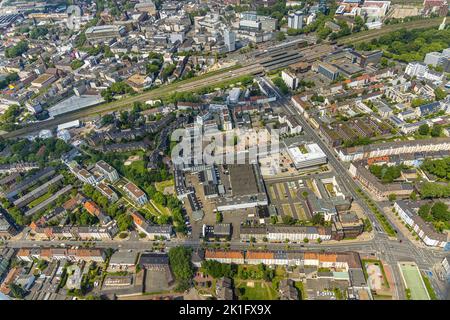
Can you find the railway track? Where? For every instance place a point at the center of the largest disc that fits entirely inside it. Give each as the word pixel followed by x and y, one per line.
pixel 372 34
pixel 252 68
pixel 127 102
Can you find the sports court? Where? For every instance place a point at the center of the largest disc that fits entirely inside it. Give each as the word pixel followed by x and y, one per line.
pixel 413 280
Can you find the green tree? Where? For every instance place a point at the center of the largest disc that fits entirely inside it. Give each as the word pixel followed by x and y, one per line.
pixel 436 131
pixel 180 262
pixel 318 219
pixel 439 94
pixel 124 222
pixel 17 50
pixel 280 36
pixel 288 220
pixel 424 129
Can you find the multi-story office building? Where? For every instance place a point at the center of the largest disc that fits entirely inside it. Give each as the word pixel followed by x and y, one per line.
pixel 230 40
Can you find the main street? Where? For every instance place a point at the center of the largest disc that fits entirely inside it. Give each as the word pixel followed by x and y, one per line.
pixel 390 250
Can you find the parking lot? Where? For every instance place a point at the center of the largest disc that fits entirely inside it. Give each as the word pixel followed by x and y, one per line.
pixel 287 197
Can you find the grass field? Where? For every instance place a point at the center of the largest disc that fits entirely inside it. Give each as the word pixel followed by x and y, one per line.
pixel 300 211
pixel 139 166
pixel 256 290
pixel 37 201
pixel 160 208
pixel 287 209
pixel 160 186
pixel 413 281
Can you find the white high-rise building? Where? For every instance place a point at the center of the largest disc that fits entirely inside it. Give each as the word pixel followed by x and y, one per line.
pixel 295 20
pixel 290 79
pixel 230 40
pixel 433 58
pixel 416 69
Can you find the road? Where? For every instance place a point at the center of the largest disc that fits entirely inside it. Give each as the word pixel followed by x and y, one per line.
pixel 390 250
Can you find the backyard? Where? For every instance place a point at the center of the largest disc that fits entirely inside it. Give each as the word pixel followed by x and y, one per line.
pixel 255 290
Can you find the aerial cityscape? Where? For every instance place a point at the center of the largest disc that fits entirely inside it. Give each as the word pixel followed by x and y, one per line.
pixel 224 150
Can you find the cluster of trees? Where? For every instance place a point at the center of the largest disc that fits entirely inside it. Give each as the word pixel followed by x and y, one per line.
pixel 41 151
pixel 154 65
pixel 434 190
pixel 10 78
pixel 439 94
pixel 281 85
pixel 218 270
pixel 361 141
pixel 425 130
pixel 129 119
pixel 438 214
pixel 180 263
pixel 117 88
pixel 95 50
pixel 11 114
pixel 276 11
pixel 439 167
pixel 167 71
pixel 118 213
pixel 171 202
pixel 183 97
pixel 386 173
pixel 17 50
pixel 345 29
pixel 262 272
pixel 82 218
pixel 75 64
pixel 38 32
pixel 317 98
pixel 409 45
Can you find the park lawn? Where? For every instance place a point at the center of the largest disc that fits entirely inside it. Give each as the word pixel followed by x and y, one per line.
pixel 260 291
pixel 37 201
pixel 148 207
pixel 139 166
pixel 160 208
pixel 160 186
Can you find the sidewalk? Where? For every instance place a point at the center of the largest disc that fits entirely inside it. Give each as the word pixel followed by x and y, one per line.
pixel 402 228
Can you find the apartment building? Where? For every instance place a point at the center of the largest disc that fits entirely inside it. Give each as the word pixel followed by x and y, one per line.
pixel 236 257
pixel 136 194
pixel 381 190
pixel 407 210
pixel 75 255
pixel 393 148
pixel 152 231
pixel 109 172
